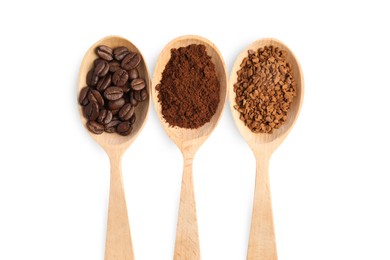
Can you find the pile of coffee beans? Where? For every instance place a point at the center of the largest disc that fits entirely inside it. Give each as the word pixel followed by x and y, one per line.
pixel 265 89
pixel 113 90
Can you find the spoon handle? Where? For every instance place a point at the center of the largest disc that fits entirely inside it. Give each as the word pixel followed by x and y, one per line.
pixel 118 239
pixel 262 245
pixel 187 239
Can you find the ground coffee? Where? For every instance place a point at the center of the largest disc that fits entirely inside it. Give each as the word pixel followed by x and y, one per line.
pixel 265 89
pixel 114 90
pixel 189 88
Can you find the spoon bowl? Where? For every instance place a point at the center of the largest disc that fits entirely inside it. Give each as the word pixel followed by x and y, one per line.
pixel 118 239
pixel 107 140
pixel 189 140
pixel 181 136
pixel 262 245
pixel 273 140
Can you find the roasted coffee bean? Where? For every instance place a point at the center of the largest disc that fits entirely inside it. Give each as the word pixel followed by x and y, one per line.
pixel 138 84
pixel 91 111
pixel 102 115
pixel 133 74
pixel 126 112
pixel 132 99
pixel 113 93
pixel 120 53
pixel 101 68
pixel 95 127
pixel 126 88
pixel 104 52
pixel 124 128
pixel 108 117
pixel 83 96
pixel 131 61
pixel 137 96
pixel 144 94
pixel 114 66
pixel 132 119
pixel 104 83
pixel 105 116
pixel 120 77
pixel 92 78
pixel 95 96
pixel 111 126
pixel 116 104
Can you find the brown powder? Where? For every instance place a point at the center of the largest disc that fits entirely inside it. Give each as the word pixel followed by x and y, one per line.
pixel 265 89
pixel 189 88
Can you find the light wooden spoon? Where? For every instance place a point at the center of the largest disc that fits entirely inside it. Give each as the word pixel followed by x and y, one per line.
pixel 188 141
pixel 118 239
pixel 262 245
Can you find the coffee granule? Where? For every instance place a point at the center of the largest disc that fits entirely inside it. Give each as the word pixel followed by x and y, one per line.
pixel 189 87
pixel 265 89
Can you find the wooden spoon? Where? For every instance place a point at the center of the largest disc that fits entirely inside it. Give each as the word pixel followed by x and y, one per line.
pixel 118 240
pixel 188 141
pixel 262 245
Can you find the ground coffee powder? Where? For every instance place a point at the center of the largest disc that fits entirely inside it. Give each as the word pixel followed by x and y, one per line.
pixel 189 87
pixel 265 89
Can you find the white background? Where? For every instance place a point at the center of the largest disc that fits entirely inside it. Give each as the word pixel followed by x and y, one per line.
pixel 330 178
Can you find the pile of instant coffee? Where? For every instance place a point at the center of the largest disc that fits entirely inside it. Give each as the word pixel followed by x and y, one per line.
pixel 113 90
pixel 265 89
pixel 189 88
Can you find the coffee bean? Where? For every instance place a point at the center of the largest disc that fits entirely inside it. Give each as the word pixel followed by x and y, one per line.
pixel 116 104
pixel 105 116
pixel 132 119
pixel 124 128
pixel 144 94
pixel 108 117
pixel 102 115
pixel 114 66
pixel 95 96
pixel 120 77
pixel 103 83
pixel 83 96
pixel 91 111
pixel 95 127
pixel 101 68
pixel 131 61
pixel 137 96
pixel 120 53
pixel 92 78
pixel 104 52
pixel 113 93
pixel 126 112
pixel 132 99
pixel 133 74
pixel 126 88
pixel 138 84
pixel 111 126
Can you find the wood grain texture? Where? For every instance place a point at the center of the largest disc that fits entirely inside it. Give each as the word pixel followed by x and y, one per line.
pixel 262 244
pixel 118 239
pixel 189 140
pixel 187 242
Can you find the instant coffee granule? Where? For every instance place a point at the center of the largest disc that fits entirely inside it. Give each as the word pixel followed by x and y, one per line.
pixel 189 88
pixel 265 89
